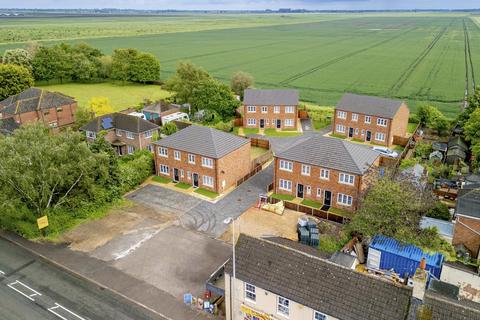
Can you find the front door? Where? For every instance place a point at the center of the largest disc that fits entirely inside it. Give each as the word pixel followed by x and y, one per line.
pixel 369 136
pixel 119 151
pixel 175 175
pixel 195 180
pixel 327 199
pixel 279 124
pixel 262 123
pixel 300 190
pixel 350 132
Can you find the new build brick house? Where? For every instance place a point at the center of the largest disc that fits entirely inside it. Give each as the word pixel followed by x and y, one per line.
pixel 54 109
pixel 330 171
pixel 467 222
pixel 125 132
pixel 270 109
pixel 371 119
pixel 203 157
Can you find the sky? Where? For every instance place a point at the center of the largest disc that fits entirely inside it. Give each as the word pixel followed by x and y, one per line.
pixel 244 4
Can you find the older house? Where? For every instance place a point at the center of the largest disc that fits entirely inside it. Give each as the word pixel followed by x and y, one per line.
pixel 154 112
pixel 371 119
pixel 270 109
pixel 125 132
pixel 54 109
pixel 331 171
pixel 467 222
pixel 203 157
pixel 280 280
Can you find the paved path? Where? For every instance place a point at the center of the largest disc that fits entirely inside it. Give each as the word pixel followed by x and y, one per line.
pixel 307 125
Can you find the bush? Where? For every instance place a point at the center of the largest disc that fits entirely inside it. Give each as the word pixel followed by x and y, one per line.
pixel 423 150
pixel 439 211
pixel 224 126
pixel 135 169
pixel 407 163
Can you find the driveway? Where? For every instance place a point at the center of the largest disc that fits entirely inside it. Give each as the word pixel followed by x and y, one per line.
pixel 200 215
pixel 307 125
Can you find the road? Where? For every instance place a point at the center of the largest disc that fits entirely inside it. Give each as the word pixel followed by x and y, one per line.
pixel 33 289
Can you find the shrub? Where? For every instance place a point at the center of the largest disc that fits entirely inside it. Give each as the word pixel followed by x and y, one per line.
pixel 423 149
pixel 135 169
pixel 407 163
pixel 439 211
pixel 224 126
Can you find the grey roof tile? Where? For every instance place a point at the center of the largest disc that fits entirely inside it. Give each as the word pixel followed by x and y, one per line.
pixel 375 106
pixel 120 121
pixel 276 97
pixel 468 204
pixel 204 141
pixel 443 307
pixel 332 153
pixel 317 283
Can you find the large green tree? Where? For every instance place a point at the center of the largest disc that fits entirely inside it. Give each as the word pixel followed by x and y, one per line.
pixel 241 81
pixel 187 78
pixel 213 95
pixel 432 118
pixel 122 61
pixel 13 80
pixel 145 68
pixel 20 57
pixel 51 63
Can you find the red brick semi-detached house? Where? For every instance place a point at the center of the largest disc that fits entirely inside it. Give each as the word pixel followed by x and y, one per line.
pixel 330 171
pixel 371 119
pixel 270 109
pixel 54 109
pixel 126 133
pixel 203 157
pixel 467 222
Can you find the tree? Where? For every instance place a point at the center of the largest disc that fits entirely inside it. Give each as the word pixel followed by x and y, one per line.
pixel 473 104
pixel 51 63
pixel 122 61
pixel 83 116
pixel 105 67
pixel 13 80
pixel 83 69
pixel 186 79
pixel 213 95
pixel 19 57
pixel 432 118
pixel 100 106
pixel 145 68
pixel 472 127
pixel 241 81
pixel 169 128
pixel 439 211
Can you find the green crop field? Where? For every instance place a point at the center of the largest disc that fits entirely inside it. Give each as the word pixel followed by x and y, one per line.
pixel 422 58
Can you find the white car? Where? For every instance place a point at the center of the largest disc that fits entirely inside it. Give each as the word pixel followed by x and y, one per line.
pixel 386 152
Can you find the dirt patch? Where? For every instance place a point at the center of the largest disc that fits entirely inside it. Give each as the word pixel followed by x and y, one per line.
pixel 93 234
pixel 256 222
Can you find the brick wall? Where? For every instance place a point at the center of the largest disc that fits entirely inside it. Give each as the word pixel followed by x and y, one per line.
pixel 400 121
pixel 139 141
pixel 61 116
pixel 233 167
pixel 465 235
pixel 314 181
pixel 270 117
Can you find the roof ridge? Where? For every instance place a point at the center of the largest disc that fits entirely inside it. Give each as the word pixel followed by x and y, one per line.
pixel 345 144
pixel 40 99
pixel 214 142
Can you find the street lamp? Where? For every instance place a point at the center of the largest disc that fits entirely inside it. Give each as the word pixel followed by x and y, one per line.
pixel 227 221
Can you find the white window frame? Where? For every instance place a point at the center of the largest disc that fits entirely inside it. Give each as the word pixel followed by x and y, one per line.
pixel 380 136
pixel 163 152
pixel 118 132
pixel 324 174
pixel 276 109
pixel 251 122
pixel 182 173
pixel 344 199
pixel 189 175
pixel 250 292
pixel 130 149
pixel 283 306
pixel 191 158
pixel 340 128
pixel 148 134
pixel 382 122
pixel 177 155
pixel 306 170
pixel 150 148
pixel 251 109
pixel 286 165
pixel 354 116
pixel 129 135
pixel 319 316
pixel 288 123
pixel 341 114
pixel 368 119
pixel 207 181
pixel 285 185
pixel 289 109
pixel 207 162
pixel 164 169
pixel 264 109
pixel 346 178
pixel 309 190
pixel 319 192
pixel 91 134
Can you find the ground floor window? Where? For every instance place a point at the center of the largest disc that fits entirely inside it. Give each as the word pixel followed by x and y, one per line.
pixel 288 122
pixel 344 199
pixel 207 181
pixel 285 185
pixel 189 175
pixel 164 169
pixel 181 173
pixel 251 122
pixel 380 136
pixel 319 193
pixel 131 149
pixel 309 190
pixel 340 128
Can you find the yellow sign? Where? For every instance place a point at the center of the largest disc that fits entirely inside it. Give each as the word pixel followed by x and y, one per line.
pixel 253 314
pixel 42 222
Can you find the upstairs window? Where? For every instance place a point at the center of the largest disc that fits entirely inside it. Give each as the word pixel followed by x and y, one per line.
pixel 346 178
pixel 129 135
pixel 381 122
pixel 207 162
pixel 289 109
pixel 251 109
pixel 264 109
pixel 283 306
pixel 306 169
pixel 191 158
pixel 368 119
pixel 354 117
pixel 177 155
pixel 341 115
pixel 250 293
pixel 163 152
pixel 286 165
pixel 324 174
pixel 276 109
pixel 91 135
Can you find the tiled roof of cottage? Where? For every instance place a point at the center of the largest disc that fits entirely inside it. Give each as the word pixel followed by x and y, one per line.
pixel 374 106
pixel 119 121
pixel 274 97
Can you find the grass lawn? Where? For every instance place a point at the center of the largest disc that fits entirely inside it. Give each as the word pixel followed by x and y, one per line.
pixel 161 179
pixel 121 96
pixel 311 203
pixel 207 193
pixel 358 140
pixel 329 244
pixel 341 212
pixel 411 127
pixel 247 131
pixel 270 132
pixel 339 136
pixel 235 130
pixel 285 197
pixel 257 152
pixel 183 185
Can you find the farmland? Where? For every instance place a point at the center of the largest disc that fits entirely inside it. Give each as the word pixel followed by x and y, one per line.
pixel 427 58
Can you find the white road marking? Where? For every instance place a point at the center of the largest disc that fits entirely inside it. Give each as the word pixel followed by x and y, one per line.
pixel 29 292
pixel 137 245
pixel 58 308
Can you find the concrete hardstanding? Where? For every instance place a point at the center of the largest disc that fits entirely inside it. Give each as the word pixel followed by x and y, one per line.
pixel 225 171
pixel 397 126
pixel 314 182
pixel 467 232
pixel 269 117
pixel 55 117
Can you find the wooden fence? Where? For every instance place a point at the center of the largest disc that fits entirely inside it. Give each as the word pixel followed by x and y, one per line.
pixel 303 114
pixel 261 160
pixel 238 122
pixel 249 175
pixel 318 213
pixel 261 143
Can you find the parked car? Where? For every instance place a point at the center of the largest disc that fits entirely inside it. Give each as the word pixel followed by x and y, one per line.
pixel 386 152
